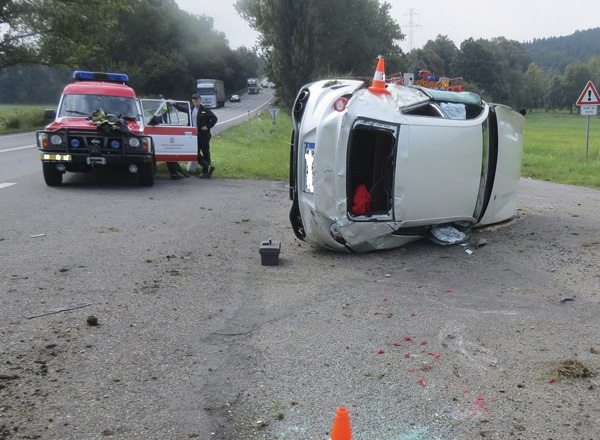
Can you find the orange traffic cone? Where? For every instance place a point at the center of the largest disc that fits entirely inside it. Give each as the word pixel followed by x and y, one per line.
pixel 341 425
pixel 378 85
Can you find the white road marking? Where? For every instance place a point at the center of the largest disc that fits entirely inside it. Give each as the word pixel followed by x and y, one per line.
pixel 6 185
pixel 15 135
pixel 18 148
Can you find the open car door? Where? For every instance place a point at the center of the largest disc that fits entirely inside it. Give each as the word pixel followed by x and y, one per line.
pixel 169 126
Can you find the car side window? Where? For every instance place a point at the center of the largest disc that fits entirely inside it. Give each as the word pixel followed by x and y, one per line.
pixel 165 112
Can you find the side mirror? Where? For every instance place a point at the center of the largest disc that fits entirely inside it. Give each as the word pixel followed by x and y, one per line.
pixel 49 114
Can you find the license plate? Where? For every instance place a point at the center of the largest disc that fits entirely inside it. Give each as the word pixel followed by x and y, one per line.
pixel 96 160
pixel 59 157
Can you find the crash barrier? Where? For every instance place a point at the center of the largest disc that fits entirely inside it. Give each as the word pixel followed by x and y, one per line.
pixel 341 425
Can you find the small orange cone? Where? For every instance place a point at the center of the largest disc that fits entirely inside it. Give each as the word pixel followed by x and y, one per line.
pixel 378 85
pixel 341 425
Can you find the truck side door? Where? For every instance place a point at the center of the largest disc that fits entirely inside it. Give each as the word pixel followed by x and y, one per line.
pixel 169 126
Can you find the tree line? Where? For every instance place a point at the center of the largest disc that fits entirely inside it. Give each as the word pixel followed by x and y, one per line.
pixel 164 49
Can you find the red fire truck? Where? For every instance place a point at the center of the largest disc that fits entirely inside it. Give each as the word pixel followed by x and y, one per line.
pixel 101 124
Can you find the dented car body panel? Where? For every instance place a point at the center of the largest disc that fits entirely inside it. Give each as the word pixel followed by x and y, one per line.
pixel 426 158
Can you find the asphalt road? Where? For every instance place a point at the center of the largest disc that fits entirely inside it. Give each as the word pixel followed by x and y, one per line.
pixel 196 339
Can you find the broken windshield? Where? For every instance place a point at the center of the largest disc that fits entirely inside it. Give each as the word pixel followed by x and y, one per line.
pixel 85 105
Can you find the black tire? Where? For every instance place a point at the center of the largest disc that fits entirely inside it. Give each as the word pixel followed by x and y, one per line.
pixel 146 174
pixel 52 176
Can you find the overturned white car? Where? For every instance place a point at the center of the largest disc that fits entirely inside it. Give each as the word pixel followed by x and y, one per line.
pixel 379 167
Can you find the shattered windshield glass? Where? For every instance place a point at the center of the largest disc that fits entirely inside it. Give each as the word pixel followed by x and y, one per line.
pixel 85 105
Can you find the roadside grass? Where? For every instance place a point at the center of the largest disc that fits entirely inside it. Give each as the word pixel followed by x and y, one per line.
pixel 255 149
pixel 554 149
pixel 17 118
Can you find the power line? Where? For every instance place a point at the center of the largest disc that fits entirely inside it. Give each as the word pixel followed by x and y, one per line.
pixel 411 28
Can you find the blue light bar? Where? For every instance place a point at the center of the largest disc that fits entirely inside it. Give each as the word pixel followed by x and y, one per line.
pixel 82 75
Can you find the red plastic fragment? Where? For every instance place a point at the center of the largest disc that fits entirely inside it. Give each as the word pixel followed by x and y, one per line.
pixel 422 382
pixel 407 355
pixel 380 352
pixel 552 380
pixel 413 314
pixel 397 344
pixel 408 339
pixel 377 313
pixel 448 291
pixel 424 343
pixel 436 354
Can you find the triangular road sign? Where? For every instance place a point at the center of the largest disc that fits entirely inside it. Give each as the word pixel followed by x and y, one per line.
pixel 589 96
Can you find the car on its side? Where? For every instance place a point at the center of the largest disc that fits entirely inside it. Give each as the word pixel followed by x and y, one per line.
pixel 376 168
pixel 234 98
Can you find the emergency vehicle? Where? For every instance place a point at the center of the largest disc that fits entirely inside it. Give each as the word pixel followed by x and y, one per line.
pixel 381 166
pixel 101 124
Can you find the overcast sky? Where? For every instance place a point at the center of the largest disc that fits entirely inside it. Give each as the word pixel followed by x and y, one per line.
pixel 521 20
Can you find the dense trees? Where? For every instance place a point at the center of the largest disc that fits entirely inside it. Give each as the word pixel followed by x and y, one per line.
pixel 312 39
pixel 162 48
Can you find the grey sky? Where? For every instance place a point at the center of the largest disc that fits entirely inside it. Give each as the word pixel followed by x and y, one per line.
pixel 521 20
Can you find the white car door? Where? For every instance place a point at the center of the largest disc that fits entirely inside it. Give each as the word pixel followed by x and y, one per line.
pixel 168 123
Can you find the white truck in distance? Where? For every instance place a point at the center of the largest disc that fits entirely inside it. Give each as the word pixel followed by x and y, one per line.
pixel 212 92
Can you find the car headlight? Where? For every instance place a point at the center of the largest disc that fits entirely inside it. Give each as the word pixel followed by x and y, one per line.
pixel 56 139
pixel 43 140
pixel 134 142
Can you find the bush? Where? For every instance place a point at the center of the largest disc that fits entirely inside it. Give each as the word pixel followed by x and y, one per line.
pixel 25 119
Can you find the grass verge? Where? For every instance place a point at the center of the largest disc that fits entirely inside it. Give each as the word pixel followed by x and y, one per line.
pixel 554 149
pixel 255 149
pixel 17 118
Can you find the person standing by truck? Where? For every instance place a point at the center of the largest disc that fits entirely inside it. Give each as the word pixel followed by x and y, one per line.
pixel 203 119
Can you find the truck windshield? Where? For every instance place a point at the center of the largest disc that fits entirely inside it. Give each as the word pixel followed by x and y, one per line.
pixel 206 90
pixel 85 105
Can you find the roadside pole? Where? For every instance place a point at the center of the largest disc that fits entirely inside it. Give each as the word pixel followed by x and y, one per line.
pixel 588 102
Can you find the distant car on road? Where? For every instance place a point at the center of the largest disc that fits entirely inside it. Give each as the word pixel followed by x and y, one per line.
pixel 234 98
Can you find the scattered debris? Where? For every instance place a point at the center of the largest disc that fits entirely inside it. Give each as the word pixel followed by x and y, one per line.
pixel 567 298
pixel 480 243
pixel 37 235
pixel 92 320
pixel 446 235
pixel 260 424
pixel 595 350
pixel 572 369
pixel 63 309
pixel 469 251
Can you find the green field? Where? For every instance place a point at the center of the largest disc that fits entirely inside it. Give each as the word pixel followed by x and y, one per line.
pixel 554 146
pixel 554 149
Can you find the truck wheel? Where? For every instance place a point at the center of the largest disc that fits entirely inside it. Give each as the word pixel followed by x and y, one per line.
pixel 52 176
pixel 147 172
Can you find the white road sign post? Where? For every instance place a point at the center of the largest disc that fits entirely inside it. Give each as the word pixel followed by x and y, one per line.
pixel 588 101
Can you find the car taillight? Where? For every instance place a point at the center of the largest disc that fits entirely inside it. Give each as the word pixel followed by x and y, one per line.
pixel 340 104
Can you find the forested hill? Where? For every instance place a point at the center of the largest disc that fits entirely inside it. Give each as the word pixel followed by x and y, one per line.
pixel 558 52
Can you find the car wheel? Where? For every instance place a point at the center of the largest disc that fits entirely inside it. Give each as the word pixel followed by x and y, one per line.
pixel 147 171
pixel 52 176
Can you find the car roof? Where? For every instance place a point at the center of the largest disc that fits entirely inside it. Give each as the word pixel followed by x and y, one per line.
pixel 99 88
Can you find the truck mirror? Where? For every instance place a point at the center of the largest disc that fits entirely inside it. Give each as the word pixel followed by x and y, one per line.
pixel 49 114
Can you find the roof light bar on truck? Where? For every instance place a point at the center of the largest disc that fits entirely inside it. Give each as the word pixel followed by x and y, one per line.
pixel 83 75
